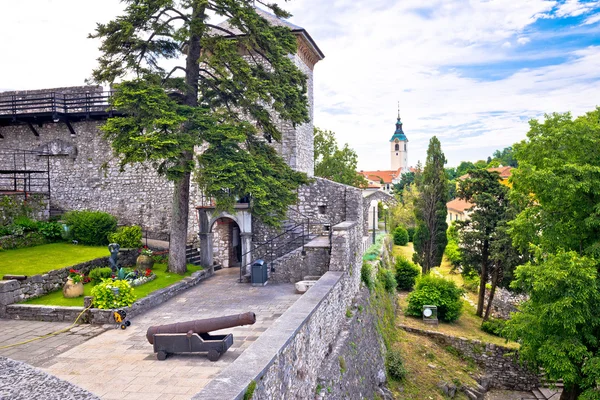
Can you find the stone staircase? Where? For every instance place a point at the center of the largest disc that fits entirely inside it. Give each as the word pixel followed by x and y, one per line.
pixel 546 393
pixel 192 255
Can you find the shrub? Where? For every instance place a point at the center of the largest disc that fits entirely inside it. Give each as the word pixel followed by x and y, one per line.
pixel 400 236
pixel 440 292
pixel 26 223
pixel 129 237
pixel 471 282
pixel 406 273
pixel 28 239
pixel 411 233
pixel 51 230
pixel 493 326
pixel 98 274
pixel 386 277
pixel 13 207
pixel 366 275
pixel 90 227
pixel 394 364
pixel 105 298
pixel 453 254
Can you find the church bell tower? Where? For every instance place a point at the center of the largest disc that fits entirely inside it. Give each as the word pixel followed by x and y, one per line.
pixel 398 148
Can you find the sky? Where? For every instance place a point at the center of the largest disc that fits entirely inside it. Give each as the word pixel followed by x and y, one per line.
pixel 472 73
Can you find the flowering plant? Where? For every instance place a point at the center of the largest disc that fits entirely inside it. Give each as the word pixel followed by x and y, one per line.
pixel 145 251
pixel 75 275
pixel 148 272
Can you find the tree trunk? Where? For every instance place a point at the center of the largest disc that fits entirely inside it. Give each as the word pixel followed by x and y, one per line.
pixel 181 195
pixel 483 278
pixel 179 224
pixel 492 292
pixel 571 393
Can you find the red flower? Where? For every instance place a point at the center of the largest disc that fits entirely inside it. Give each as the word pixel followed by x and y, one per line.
pixel 148 272
pixel 72 271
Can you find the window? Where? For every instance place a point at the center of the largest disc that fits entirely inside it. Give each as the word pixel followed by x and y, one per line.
pixel 397 147
pixel 404 146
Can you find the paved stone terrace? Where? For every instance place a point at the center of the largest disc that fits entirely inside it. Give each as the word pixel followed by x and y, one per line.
pixel 121 364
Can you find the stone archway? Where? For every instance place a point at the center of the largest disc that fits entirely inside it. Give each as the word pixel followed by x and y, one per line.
pixel 370 202
pixel 227 243
pixel 240 219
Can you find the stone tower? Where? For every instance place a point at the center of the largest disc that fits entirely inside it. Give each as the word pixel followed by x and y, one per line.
pixel 398 148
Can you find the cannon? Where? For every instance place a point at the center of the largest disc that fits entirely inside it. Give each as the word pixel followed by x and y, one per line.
pixel 194 337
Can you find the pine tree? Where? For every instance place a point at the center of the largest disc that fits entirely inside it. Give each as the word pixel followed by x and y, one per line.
pixel 223 76
pixel 430 210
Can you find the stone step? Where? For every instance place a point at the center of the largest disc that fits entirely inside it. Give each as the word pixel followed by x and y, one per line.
pixel 538 394
pixel 548 393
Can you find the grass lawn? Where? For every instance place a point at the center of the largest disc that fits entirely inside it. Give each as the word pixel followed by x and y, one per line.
pixel 41 259
pixel 468 325
pixel 420 354
pixel 163 279
pixel 404 251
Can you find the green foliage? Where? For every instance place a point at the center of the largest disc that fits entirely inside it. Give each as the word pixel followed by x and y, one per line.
pixel 404 213
pixel 51 230
pixel 406 273
pixel 28 239
pixel 387 279
pixel 559 326
pixel 105 298
pixel 366 275
pixel 437 291
pixel 343 367
pixel 430 210
pixel 411 233
pixel 98 274
pixel 471 282
pixel 394 364
pixel 400 236
pixel 250 390
pixel 506 157
pixel 374 250
pixel 90 227
pixel 26 223
pixel 127 236
pixel 218 82
pixel 494 326
pixel 406 179
pixel 331 162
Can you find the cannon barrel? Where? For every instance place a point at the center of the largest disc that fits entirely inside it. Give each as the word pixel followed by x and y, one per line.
pixel 202 325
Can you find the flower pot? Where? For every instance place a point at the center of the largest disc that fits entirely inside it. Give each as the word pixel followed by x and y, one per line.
pixel 144 262
pixel 72 289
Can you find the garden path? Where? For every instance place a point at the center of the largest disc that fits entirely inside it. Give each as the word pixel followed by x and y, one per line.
pixel 121 364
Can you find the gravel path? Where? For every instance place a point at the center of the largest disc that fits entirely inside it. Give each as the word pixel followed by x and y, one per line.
pixel 19 381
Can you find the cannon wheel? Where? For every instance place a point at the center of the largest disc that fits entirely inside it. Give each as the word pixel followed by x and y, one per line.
pixel 161 355
pixel 128 323
pixel 213 355
pixel 123 326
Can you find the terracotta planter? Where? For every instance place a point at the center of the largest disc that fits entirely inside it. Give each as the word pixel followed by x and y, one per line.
pixel 72 289
pixel 144 262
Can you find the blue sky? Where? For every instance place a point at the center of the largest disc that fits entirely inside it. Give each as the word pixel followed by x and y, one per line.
pixel 470 72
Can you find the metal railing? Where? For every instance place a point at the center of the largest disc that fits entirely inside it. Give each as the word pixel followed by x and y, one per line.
pixel 22 172
pixel 55 103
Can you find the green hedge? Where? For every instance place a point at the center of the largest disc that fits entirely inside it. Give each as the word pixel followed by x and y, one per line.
pixel 129 237
pixel 28 239
pixel 90 227
pixel 400 236
pixel 406 273
pixel 437 291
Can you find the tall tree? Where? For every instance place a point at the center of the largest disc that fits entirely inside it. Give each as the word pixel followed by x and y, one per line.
pixel 506 157
pixel 558 182
pixel 477 234
pixel 221 76
pixel 405 180
pixel 404 212
pixel 430 210
pixel 331 162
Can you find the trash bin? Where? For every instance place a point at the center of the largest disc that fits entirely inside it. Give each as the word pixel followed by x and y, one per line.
pixel 259 273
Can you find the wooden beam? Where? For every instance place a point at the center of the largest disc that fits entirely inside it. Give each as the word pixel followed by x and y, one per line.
pixel 70 128
pixel 35 132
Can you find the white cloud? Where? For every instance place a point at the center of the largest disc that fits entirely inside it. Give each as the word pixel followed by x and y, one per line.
pixel 506 45
pixel 574 8
pixel 592 19
pixel 523 40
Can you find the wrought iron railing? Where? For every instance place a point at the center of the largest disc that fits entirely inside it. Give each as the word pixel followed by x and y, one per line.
pixel 16 105
pixel 21 171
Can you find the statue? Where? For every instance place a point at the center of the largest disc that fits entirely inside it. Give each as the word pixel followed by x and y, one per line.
pixel 114 252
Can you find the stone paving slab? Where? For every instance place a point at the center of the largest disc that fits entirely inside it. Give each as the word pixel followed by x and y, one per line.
pixel 120 364
pixel 41 351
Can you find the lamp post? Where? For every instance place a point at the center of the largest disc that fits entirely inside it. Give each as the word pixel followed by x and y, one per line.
pixel 374 222
pixel 385 208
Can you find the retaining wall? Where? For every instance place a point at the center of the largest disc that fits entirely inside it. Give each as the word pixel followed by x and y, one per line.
pixel 98 316
pixel 501 364
pixel 14 291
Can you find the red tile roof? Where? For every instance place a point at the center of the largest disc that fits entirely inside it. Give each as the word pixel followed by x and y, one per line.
pixel 377 176
pixel 458 205
pixel 503 171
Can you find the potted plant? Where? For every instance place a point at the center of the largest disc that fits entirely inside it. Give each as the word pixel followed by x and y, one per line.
pixel 144 260
pixel 74 285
